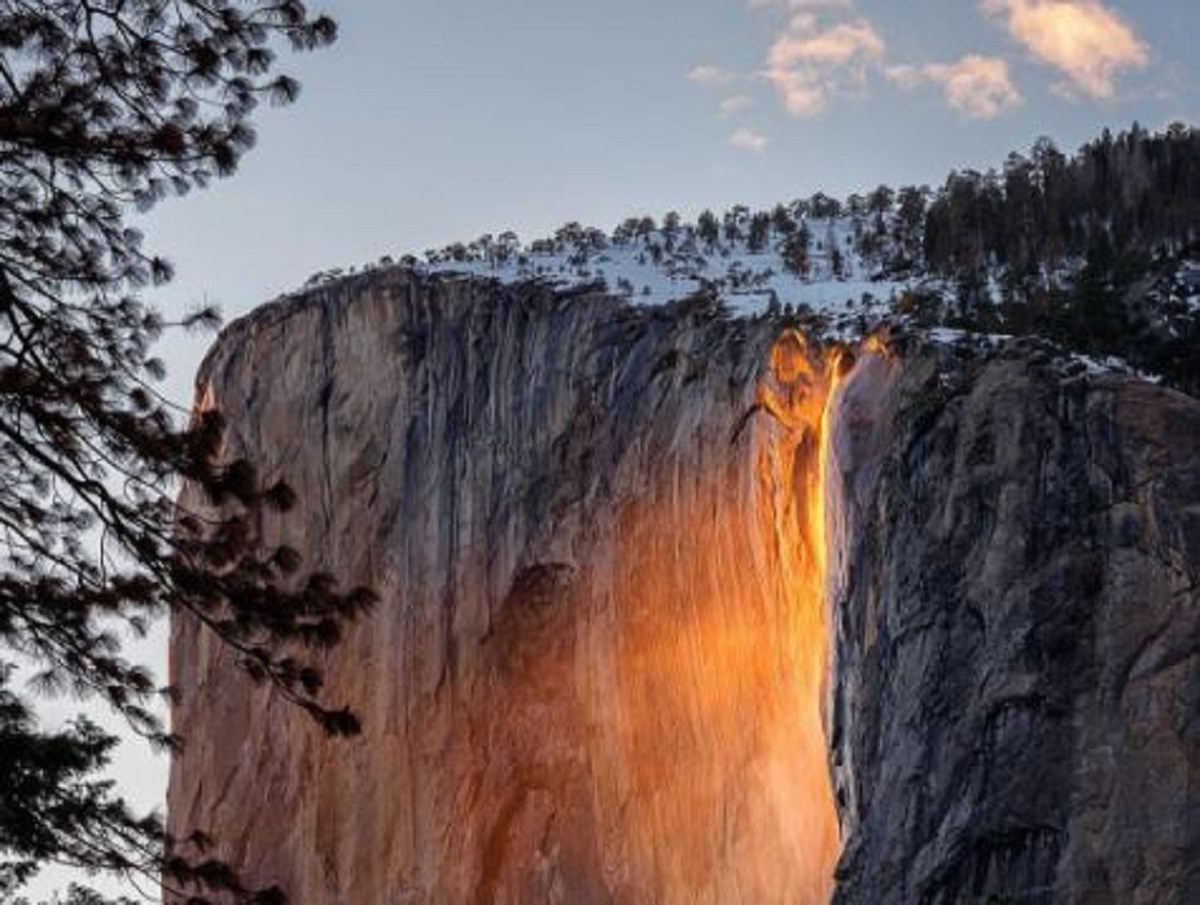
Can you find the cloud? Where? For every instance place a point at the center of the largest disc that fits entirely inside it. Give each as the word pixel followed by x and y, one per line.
pixel 839 45
pixel 801 4
pixel 1084 40
pixel 711 75
pixel 748 140
pixel 978 87
pixel 735 104
pixel 803 93
pixel 809 64
pixel 906 76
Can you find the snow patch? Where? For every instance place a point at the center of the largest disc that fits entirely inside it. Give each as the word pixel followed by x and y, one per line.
pixel 657 267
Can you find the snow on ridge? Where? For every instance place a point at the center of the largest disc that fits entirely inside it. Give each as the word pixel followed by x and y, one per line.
pixel 846 269
pixel 1073 363
pixel 1113 364
pixel 832 265
pixel 656 268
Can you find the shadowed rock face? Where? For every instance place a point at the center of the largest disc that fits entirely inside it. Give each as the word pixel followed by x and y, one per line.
pixel 1017 636
pixel 600 668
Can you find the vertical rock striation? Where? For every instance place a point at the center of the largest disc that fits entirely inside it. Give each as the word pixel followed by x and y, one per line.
pixel 1017 635
pixel 595 672
pixel 607 666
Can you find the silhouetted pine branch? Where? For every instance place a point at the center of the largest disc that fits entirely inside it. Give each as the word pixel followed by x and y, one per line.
pixel 104 105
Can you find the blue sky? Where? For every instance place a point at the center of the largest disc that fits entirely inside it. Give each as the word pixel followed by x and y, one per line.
pixel 432 121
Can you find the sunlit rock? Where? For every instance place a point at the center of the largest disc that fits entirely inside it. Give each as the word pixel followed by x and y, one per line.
pixel 595 673
pixel 678 608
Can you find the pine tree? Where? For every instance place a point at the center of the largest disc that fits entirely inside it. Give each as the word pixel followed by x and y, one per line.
pixel 106 105
pixel 759 232
pixel 794 251
pixel 708 229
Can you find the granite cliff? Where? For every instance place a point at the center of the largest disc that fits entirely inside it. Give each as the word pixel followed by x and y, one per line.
pixel 1017 634
pixel 678 607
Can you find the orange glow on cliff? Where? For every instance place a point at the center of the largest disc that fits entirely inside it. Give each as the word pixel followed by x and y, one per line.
pixel 716 781
pixel 797 393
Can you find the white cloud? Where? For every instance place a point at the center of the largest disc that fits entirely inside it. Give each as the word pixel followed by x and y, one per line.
pixel 803 92
pixel 801 4
pixel 805 44
pixel 711 75
pixel 809 64
pixel 1084 40
pixel 978 87
pixel 748 140
pixel 735 104
pixel 906 76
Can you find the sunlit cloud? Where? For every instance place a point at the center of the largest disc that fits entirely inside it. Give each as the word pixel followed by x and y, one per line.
pixel 1084 40
pixel 735 104
pixel 839 45
pixel 803 93
pixel 711 75
pixel 906 76
pixel 748 140
pixel 979 87
pixel 809 64
pixel 825 50
pixel 800 4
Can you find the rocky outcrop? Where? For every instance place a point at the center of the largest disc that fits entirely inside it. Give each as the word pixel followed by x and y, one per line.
pixel 1017 635
pixel 606 665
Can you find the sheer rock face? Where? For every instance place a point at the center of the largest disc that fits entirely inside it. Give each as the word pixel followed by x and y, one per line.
pixel 1017 637
pixel 586 680
pixel 591 677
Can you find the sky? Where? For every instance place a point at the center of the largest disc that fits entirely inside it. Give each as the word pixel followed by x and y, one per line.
pixel 434 121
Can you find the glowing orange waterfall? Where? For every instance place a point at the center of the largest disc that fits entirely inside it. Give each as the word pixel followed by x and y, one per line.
pixel 601 672
pixel 720 782
pixel 796 393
